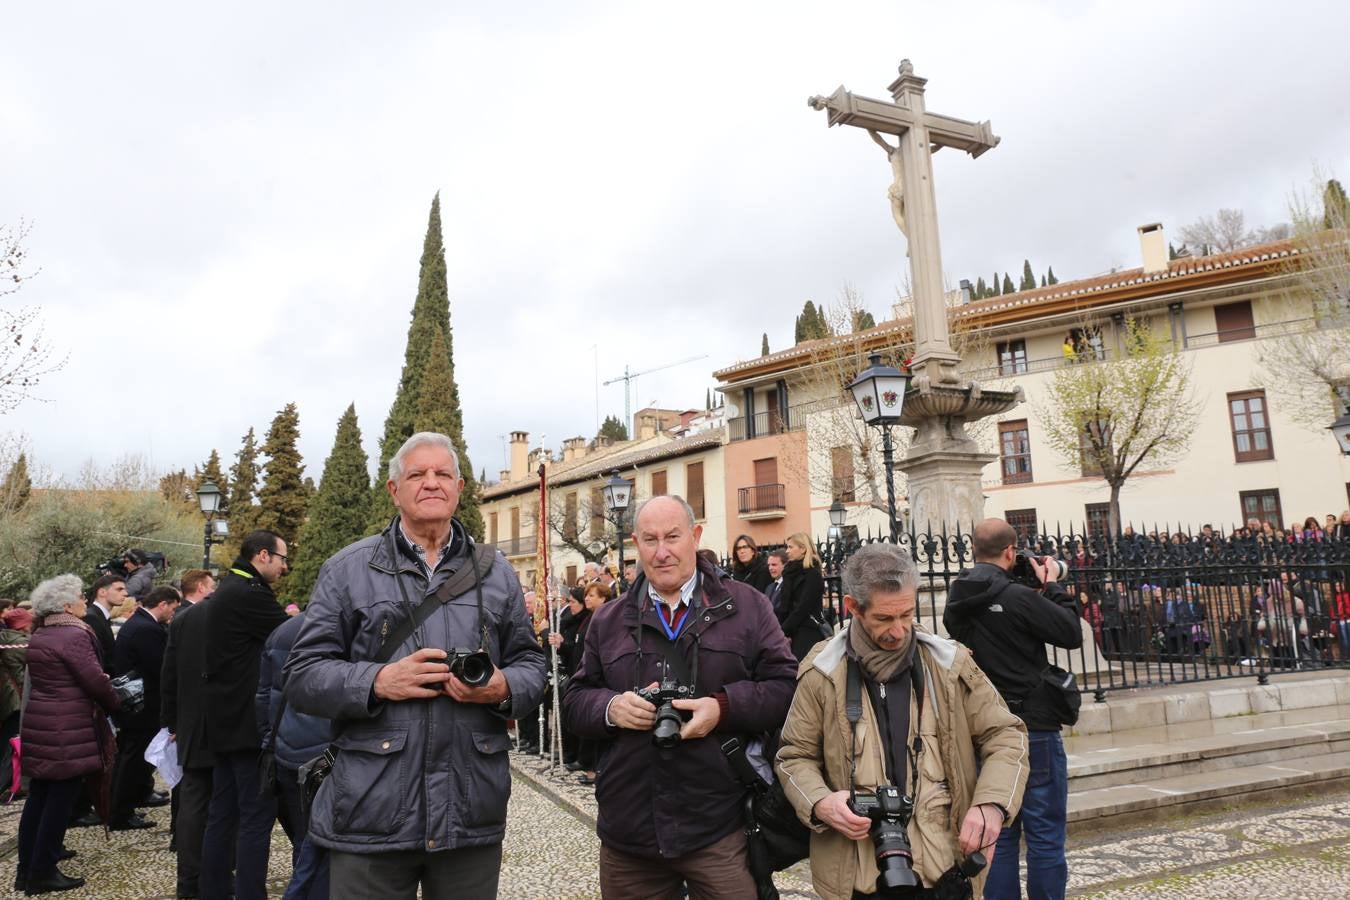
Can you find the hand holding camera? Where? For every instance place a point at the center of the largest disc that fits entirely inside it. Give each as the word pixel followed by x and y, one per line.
pixel 834 811
pixel 420 675
pixel 629 710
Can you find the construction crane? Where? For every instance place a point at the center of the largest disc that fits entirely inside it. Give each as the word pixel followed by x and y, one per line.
pixel 627 379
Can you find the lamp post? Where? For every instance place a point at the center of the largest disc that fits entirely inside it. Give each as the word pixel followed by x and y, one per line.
pixel 1341 428
pixel 618 493
pixel 838 515
pixel 208 498
pixel 879 392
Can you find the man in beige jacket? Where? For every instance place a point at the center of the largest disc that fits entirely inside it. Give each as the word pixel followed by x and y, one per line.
pixel 931 724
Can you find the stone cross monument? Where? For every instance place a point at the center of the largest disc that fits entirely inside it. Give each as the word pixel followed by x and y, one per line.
pixel 943 464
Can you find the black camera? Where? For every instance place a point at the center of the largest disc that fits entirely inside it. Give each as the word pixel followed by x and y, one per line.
pixel 889 811
pixel 669 720
pixel 111 566
pixel 1024 573
pixel 473 667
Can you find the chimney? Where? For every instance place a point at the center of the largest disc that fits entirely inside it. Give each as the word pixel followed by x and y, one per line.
pixel 574 448
pixel 504 476
pixel 520 455
pixel 1153 246
pixel 966 291
pixel 647 427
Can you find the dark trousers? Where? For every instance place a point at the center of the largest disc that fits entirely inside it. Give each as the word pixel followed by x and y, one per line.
pixel 719 871
pixel 238 808
pixel 194 802
pixel 309 861
pixel 42 827
pixel 133 777
pixel 469 873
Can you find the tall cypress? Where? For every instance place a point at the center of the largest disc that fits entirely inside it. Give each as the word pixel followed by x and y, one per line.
pixel 1028 281
pixel 242 514
pixel 1007 284
pixel 17 487
pixel 435 414
pixel 995 290
pixel 1050 276
pixel 338 512
pixel 211 471
pixel 282 497
pixel 764 344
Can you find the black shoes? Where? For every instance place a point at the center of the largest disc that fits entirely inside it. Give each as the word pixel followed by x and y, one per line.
pixel 529 749
pixel 88 820
pixel 51 884
pixel 65 854
pixel 156 798
pixel 131 824
pixel 573 766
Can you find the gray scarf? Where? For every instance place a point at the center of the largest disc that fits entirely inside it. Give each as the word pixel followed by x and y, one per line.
pixel 878 664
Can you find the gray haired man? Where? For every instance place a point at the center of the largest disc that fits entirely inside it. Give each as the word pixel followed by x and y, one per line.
pixel 418 790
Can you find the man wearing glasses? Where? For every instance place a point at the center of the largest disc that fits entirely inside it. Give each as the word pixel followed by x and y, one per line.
pixel 242 613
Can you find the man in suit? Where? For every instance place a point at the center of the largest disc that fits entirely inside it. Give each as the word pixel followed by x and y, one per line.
pixel 140 649
pixel 181 713
pixel 242 613
pixel 777 559
pixel 106 594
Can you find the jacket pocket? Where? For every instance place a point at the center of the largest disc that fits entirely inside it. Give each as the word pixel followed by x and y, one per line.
pixel 370 781
pixel 487 780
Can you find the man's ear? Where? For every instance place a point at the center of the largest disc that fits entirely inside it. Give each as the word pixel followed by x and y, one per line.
pixel 850 604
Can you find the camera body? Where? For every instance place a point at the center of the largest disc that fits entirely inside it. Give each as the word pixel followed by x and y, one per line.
pixel 890 811
pixel 473 667
pixel 1024 573
pixel 669 720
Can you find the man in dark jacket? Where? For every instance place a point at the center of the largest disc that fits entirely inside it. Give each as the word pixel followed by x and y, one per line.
pixel 242 613
pixel 418 792
pixel 140 574
pixel 673 816
pixel 105 595
pixel 1006 625
pixel 182 712
pixel 140 649
pixel 294 739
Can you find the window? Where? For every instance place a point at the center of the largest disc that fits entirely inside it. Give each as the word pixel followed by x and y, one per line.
pixel 841 474
pixel 492 527
pixel 659 483
pixel 1012 357
pixel 1023 521
pixel 1264 506
pixel 1015 450
pixel 1251 426
pixel 597 513
pixel 1098 519
pixel 766 470
pixel 693 479
pixel 569 525
pixel 571 576
pixel 1094 442
pixel 1233 321
pixel 515 522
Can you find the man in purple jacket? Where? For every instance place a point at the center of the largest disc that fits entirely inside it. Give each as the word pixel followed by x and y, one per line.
pixel 673 816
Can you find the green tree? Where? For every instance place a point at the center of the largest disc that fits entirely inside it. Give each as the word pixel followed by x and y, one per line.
pixel 17 486
pixel 994 289
pixel 613 428
pixel 1335 206
pixel 338 512
pixel 1042 281
pixel 764 344
pixel 1008 284
pixel 1109 418
pixel 282 498
pixel 211 471
pixel 811 324
pixel 1050 276
pixel 1028 282
pixel 241 513
pixel 863 320
pixel 438 411
pixel 177 487
pixel 981 289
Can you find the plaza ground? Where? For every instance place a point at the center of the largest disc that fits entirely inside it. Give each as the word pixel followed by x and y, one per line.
pixel 1299 848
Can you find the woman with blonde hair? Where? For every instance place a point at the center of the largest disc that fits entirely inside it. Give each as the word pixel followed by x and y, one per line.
pixel 801 595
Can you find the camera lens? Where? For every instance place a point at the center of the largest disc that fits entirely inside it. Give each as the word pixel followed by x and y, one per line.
pixel 666 734
pixel 474 669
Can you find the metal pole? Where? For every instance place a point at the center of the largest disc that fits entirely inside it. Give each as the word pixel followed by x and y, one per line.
pixel 206 544
pixel 618 536
pixel 888 454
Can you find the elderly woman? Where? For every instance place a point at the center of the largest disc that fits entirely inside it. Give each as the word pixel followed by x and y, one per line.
pixel 65 728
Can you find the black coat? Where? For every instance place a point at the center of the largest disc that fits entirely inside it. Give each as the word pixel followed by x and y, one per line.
pixel 181 689
pixel 140 648
pixel 242 613
pixel 756 574
pixel 801 595
pixel 103 636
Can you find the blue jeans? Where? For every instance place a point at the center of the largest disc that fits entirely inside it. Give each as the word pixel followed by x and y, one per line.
pixel 1044 820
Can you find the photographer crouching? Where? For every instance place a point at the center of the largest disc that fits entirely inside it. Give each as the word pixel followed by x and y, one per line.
pixel 898 753
pixel 687 653
pixel 1006 608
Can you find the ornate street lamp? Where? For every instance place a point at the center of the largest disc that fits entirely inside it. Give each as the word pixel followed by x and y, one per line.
pixel 879 392
pixel 208 498
pixel 1341 428
pixel 618 494
pixel 838 515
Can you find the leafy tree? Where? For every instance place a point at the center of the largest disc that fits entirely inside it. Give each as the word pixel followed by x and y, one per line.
pixel 1008 284
pixel 1042 281
pixel 862 320
pixel 338 512
pixel 981 289
pixel 438 411
pixel 811 324
pixel 1028 282
pixel 211 471
pixel 613 428
pixel 177 486
pixel 995 286
pixel 242 514
pixel 1112 417
pixel 764 344
pixel 17 486
pixel 282 498
pixel 1335 206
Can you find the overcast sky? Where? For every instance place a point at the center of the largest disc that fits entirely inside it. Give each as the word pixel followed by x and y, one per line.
pixel 228 202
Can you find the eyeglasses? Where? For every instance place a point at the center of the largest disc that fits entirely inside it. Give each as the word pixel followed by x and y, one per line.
pixel 281 556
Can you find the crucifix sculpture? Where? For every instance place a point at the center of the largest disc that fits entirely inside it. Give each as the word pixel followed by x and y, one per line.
pixel 918 134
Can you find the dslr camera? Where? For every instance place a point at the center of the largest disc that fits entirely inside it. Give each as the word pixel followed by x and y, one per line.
pixel 473 667
pixel 669 720
pixel 889 810
pixel 1024 573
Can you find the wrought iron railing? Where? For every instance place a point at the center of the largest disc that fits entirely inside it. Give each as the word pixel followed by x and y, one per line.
pixel 759 498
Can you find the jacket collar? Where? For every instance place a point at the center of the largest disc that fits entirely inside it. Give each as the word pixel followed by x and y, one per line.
pixel 941 650
pixel 717 602
pixel 389 557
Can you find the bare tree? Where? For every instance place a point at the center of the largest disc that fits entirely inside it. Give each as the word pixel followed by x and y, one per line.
pixel 1227 230
pixel 1109 418
pixel 1306 371
pixel 26 357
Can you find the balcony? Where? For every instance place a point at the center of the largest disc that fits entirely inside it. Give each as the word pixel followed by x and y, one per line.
pixel 517 546
pixel 762 501
pixel 769 422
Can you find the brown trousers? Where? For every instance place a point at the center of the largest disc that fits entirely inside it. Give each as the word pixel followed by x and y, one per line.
pixel 718 871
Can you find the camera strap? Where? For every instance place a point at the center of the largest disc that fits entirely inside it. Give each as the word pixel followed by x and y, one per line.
pixel 853 688
pixel 480 560
pixel 675 663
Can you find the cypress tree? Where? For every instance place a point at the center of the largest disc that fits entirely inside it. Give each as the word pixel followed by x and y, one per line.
pixel 1050 276
pixel 282 497
pixel 707 399
pixel 613 429
pixel 994 289
pixel 1335 205
pixel 17 486
pixel 436 412
pixel 1042 281
pixel 242 514
pixel 430 314
pixel 1028 277
pixel 337 514
pixel 862 320
pixel 211 471
pixel 797 330
pixel 981 289
pixel 764 344
pixel 1007 284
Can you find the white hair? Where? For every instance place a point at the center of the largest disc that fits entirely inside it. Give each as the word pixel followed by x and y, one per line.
pixel 422 439
pixel 55 594
pixel 688 510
